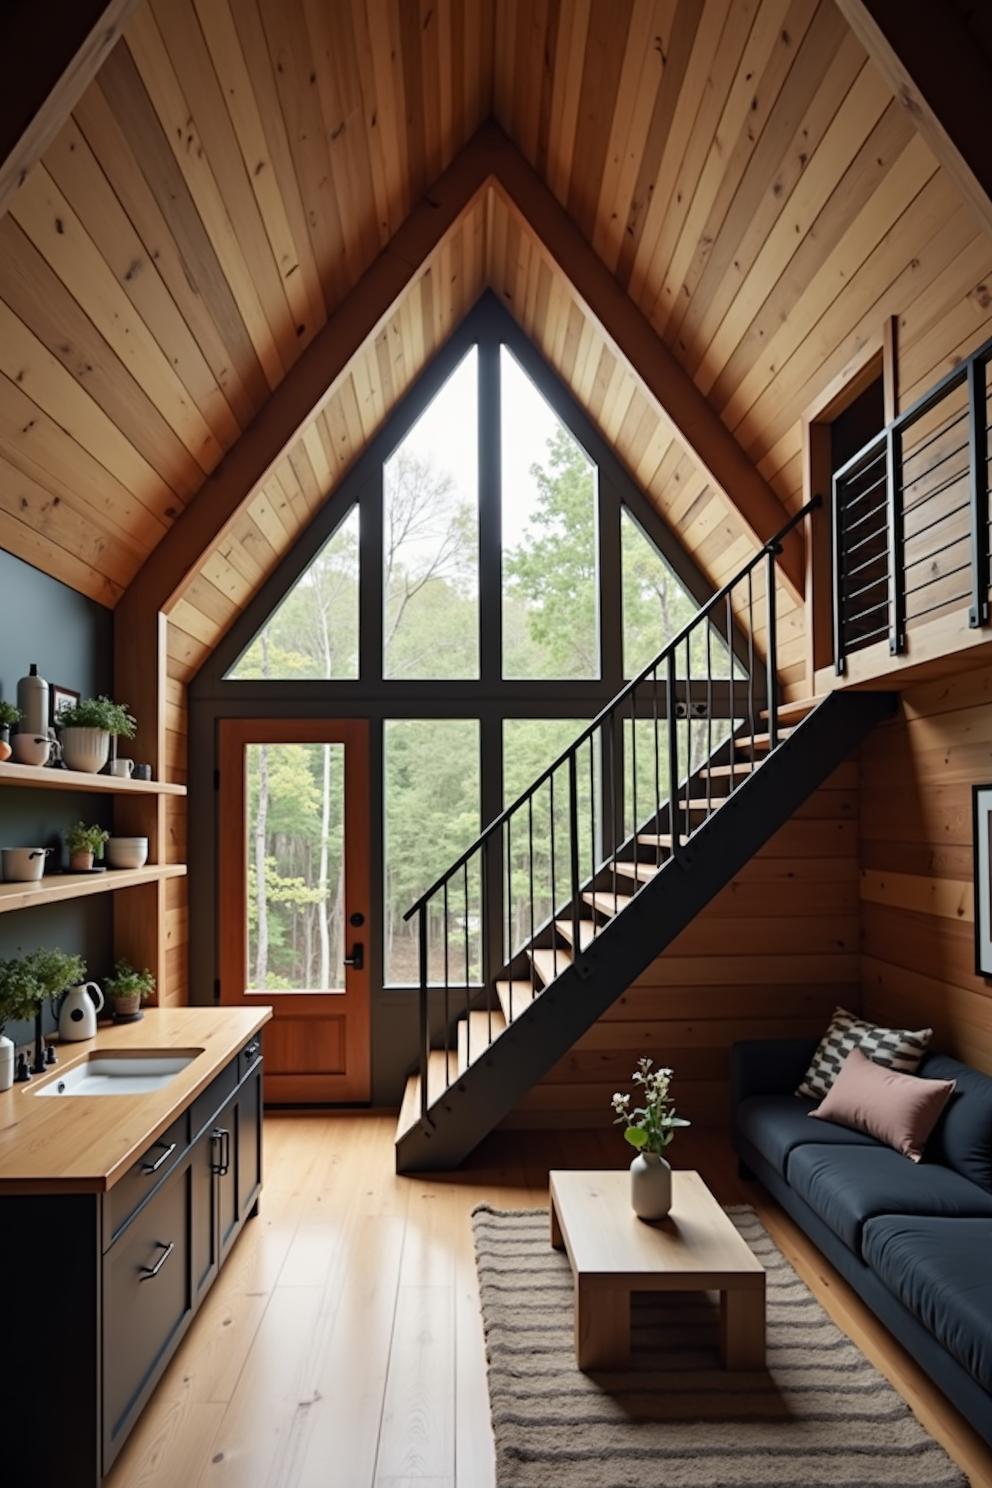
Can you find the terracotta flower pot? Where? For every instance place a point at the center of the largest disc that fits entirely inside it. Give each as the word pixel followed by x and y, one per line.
pixel 126 1007
pixel 81 862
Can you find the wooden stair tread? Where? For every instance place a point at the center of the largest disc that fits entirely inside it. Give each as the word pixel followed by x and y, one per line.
pixel 475 1034
pixel 588 930
pixel 546 961
pixel 643 872
pixel 514 997
pixel 607 902
pixel 721 772
pixel 699 803
pixel 655 839
pixel 760 741
pixel 798 708
pixel 437 1083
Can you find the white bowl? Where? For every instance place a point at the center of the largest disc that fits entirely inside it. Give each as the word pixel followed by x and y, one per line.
pixel 127 852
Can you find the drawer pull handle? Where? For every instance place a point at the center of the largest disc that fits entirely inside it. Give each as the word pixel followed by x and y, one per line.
pixel 154 1167
pixel 252 1050
pixel 223 1164
pixel 147 1272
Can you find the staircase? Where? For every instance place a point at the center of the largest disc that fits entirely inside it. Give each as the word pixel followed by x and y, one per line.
pixel 619 879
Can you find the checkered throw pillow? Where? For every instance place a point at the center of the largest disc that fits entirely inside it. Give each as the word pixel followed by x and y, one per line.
pixel 896 1048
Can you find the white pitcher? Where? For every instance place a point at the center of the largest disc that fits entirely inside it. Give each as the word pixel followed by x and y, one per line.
pixel 77 1016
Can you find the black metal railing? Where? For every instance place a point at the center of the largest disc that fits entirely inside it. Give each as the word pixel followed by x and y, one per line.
pixel 607 813
pixel 911 517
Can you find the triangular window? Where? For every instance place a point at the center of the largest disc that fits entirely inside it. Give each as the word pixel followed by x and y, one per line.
pixel 656 606
pixel 314 632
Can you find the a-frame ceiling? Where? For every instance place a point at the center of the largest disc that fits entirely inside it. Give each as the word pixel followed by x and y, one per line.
pixel 738 166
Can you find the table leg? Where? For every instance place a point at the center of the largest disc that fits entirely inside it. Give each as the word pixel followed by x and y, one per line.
pixel 602 1327
pixel 742 1329
pixel 557 1243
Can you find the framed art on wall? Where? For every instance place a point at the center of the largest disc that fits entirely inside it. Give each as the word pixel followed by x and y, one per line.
pixel 982 835
pixel 62 698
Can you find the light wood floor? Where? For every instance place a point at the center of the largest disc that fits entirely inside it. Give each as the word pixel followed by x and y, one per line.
pixel 341 1346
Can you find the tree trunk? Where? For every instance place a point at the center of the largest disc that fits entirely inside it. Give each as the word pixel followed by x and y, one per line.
pixel 323 925
pixel 261 822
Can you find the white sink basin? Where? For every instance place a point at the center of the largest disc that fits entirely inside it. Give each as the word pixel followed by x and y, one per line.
pixel 138 1074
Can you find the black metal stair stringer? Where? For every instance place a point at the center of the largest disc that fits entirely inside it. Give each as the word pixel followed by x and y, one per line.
pixel 623 949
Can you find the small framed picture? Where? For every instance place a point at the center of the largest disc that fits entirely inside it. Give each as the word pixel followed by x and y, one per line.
pixel 62 698
pixel 982 831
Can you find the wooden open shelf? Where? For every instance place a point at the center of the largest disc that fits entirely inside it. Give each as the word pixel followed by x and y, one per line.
pixel 42 777
pixel 58 886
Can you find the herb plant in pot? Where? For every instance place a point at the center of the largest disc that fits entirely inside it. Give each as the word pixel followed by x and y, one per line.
pixel 9 715
pixel 650 1128
pixel 86 731
pixel 53 972
pixel 20 995
pixel 84 844
pixel 127 990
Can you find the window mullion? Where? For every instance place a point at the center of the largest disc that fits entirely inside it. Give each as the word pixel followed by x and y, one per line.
pixel 490 525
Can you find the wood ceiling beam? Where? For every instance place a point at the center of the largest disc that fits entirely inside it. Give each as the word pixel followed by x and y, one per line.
pixel 49 54
pixel 941 78
pixel 695 423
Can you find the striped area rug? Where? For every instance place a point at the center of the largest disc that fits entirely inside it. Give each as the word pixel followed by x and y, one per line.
pixel 821 1417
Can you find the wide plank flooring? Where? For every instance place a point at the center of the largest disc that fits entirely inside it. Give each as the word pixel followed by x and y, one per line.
pixel 342 1348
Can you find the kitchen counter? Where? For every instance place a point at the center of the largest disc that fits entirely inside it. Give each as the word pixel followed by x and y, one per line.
pixel 85 1144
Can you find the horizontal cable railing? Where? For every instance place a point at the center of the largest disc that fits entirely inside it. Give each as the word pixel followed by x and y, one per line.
pixel 595 825
pixel 911 517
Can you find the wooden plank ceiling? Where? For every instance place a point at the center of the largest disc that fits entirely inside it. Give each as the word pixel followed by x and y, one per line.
pixel 738 165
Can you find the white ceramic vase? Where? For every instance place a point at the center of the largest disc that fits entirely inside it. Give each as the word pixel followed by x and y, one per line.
pixel 6 1062
pixel 85 749
pixel 650 1186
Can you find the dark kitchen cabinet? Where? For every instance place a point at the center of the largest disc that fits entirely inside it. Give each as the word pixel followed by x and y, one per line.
pixel 131 1267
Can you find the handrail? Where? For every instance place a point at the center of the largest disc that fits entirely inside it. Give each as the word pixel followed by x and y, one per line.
pixel 772 547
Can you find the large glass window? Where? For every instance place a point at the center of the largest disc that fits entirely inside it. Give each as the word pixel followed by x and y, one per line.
pixel 432 813
pixel 550 588
pixel 314 632
pixel 656 607
pixel 431 538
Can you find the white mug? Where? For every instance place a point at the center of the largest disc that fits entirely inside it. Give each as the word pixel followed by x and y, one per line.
pixel 123 768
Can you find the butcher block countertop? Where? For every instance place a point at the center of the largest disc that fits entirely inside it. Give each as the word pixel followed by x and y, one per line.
pixel 84 1144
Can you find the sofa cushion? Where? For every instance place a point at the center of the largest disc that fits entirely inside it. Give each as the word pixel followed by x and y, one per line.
pixel 846 1186
pixel 774 1124
pixel 900 1110
pixel 939 1269
pixel 962 1139
pixel 897 1048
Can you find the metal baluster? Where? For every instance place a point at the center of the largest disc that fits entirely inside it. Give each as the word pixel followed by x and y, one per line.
pixel 837 519
pixel 509 913
pixel 592 806
pixel 897 575
pixel 750 664
pixel 709 721
pixel 673 756
pixel 730 678
pixel 530 866
pixel 554 897
pixel 634 823
pixel 688 732
pixel 447 1011
pixel 617 778
pixel 978 614
pixel 573 848
pixel 657 770
pixel 424 1028
pixel 468 973
pixel 772 654
pixel 484 934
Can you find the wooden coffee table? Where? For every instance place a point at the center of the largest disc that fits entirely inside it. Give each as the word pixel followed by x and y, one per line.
pixel 613 1253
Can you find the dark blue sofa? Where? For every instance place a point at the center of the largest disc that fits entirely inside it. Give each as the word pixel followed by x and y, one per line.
pixel 914 1240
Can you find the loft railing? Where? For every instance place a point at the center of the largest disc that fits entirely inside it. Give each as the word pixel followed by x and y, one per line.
pixel 911 517
pixel 611 801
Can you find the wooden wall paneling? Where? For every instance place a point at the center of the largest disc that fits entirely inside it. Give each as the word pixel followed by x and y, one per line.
pixel 917 897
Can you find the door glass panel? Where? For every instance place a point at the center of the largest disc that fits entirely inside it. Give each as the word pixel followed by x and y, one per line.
pixel 656 607
pixel 314 632
pixel 432 813
pixel 296 866
pixel 431 538
pixel 538 842
pixel 548 485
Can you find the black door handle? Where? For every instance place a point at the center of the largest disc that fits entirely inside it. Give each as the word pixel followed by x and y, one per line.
pixel 357 958
pixel 147 1272
pixel 223 1162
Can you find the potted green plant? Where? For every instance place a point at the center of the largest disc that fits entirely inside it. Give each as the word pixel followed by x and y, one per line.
pixel 649 1128
pixel 9 715
pixel 87 728
pixel 128 989
pixel 84 844
pixel 20 996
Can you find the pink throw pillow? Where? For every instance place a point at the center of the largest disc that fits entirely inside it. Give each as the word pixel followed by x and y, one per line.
pixel 900 1110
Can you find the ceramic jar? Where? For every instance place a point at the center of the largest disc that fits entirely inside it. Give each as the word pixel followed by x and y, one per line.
pixel 85 749
pixel 127 852
pixel 31 749
pixel 650 1186
pixel 6 1062
pixel 24 864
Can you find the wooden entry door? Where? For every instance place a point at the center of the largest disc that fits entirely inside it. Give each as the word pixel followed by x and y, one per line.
pixel 294 898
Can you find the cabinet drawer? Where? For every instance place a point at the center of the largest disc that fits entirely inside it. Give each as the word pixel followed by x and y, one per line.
pixel 209 1102
pixel 146 1303
pixel 151 1169
pixel 250 1055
